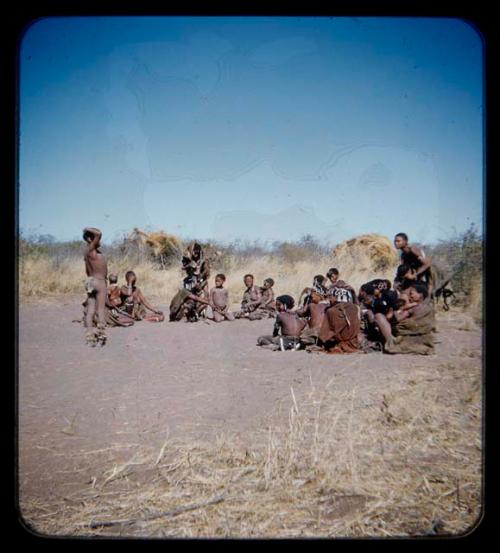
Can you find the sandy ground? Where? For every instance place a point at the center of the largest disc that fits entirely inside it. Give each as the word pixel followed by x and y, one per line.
pixel 82 409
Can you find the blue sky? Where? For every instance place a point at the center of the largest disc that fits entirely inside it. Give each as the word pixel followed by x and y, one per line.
pixel 252 128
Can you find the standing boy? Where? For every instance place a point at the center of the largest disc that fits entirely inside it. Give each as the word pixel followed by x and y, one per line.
pixel 95 285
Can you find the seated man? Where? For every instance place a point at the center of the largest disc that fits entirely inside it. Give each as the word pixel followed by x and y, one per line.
pixel 340 327
pixel 252 298
pixel 287 326
pixel 412 327
pixel 314 312
pixel 136 304
pixel 219 300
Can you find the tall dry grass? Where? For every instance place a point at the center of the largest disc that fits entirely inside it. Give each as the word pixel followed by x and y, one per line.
pixel 401 457
pixel 43 274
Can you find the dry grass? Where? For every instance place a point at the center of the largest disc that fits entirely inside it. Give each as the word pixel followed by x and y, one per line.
pixel 369 256
pixel 398 459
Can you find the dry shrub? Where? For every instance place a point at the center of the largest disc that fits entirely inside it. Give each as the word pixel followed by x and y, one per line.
pixel 357 264
pixel 403 459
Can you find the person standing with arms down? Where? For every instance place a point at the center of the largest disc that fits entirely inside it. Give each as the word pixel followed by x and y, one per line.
pixel 95 285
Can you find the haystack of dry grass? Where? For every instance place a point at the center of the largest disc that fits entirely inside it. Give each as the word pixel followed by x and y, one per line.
pixel 161 245
pixel 370 252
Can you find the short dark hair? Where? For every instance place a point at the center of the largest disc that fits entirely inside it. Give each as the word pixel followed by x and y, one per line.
pixel 401 271
pixel 221 276
pixel 247 275
pixel 421 289
pixel 319 278
pixel 112 278
pixel 332 271
pixel 402 235
pixel 130 273
pixel 286 300
pixel 368 288
pixel 388 283
pixel 270 281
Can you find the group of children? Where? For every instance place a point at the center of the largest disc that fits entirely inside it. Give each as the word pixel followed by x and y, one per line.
pixel 330 315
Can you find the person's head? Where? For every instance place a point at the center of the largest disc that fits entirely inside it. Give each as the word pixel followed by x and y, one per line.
pixel 196 249
pixel 248 280
pixel 400 240
pixel 284 303
pixel 333 274
pixel 130 277
pixel 219 280
pixel 418 293
pixel 405 272
pixel 88 236
pixel 404 297
pixel 318 280
pixel 387 284
pixel 268 283
pixel 113 279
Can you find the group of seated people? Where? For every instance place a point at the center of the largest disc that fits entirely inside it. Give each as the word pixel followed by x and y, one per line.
pixel 330 316
pixel 126 304
pixel 393 318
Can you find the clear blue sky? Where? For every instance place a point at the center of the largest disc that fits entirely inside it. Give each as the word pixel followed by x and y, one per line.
pixel 256 128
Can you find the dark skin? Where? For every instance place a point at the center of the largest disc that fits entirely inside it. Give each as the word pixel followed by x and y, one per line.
pixel 314 310
pixel 248 280
pixel 288 322
pixel 267 297
pixel 131 292
pixel 401 244
pixel 114 294
pixel 95 267
pixel 412 310
pixel 217 302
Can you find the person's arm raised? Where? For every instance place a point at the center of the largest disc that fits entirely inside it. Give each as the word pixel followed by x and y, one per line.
pixel 96 237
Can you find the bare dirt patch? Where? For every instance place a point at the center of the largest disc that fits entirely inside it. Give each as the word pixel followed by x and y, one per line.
pixel 98 424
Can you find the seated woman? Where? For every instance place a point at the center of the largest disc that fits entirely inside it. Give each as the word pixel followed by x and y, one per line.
pixel 340 327
pixel 136 305
pixel 408 329
pixel 115 312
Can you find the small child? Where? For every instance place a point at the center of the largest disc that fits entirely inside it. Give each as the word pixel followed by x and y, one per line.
pixel 219 300
pixel 268 303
